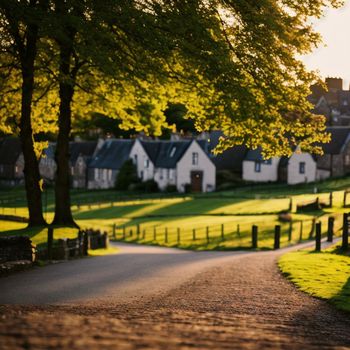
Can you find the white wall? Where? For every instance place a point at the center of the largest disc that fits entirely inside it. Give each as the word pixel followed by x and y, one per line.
pixel 294 176
pixel 165 177
pixel 185 166
pixel 142 157
pixel 268 172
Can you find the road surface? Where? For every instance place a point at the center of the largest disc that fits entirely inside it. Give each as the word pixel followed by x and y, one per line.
pixel 160 298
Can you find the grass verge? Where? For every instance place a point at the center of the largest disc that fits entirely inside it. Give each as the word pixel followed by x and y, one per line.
pixel 324 275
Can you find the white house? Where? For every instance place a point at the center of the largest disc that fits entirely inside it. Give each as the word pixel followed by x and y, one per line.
pixel 257 169
pixel 299 168
pixel 181 163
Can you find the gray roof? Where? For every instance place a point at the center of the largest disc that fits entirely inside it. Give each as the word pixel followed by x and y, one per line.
pixel 10 150
pixel 164 153
pixel 112 154
pixel 231 159
pixel 85 149
pixel 254 155
pixel 339 138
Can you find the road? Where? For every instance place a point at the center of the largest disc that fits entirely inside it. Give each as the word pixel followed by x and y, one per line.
pixel 160 298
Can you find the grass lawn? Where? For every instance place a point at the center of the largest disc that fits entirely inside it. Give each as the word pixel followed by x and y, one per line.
pixel 156 218
pixel 324 275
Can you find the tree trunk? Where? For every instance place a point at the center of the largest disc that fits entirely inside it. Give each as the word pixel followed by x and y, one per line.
pixel 31 166
pixel 63 213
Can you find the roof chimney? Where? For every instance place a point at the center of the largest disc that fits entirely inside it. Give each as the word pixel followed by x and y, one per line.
pixel 334 84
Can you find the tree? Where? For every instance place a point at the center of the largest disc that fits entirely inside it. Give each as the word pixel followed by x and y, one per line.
pixel 19 50
pixel 127 175
pixel 231 63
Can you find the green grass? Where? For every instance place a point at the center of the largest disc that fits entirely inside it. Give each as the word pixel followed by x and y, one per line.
pixel 324 275
pixel 237 210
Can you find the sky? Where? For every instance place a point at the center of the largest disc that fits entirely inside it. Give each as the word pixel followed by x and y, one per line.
pixel 332 58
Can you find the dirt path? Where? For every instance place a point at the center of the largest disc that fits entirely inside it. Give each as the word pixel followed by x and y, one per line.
pixel 240 303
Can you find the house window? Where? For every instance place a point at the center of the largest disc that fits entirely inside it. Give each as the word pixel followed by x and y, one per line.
pixel 146 163
pixel 194 158
pixel 109 174
pixel 96 174
pixel 302 168
pixel 160 174
pixel 347 159
pixel 135 159
pixel 141 175
pixel 173 150
pixel 257 167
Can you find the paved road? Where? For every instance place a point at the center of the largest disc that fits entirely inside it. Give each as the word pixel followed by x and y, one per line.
pixel 136 271
pixel 159 298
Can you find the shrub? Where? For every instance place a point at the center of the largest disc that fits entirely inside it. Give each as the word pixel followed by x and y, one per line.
pixel 127 176
pixel 171 189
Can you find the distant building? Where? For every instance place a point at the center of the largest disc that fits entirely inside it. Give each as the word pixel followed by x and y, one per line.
pixel 106 163
pixel 11 161
pixel 335 161
pixel 47 164
pixel 81 153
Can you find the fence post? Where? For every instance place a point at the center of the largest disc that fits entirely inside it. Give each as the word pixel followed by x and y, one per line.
pixel 318 237
pixel 194 234
pixel 144 233
pixel 222 232
pixel 124 232
pixel 312 227
pixel 154 233
pixel 301 231
pixel 86 243
pixel 345 235
pixel 330 229
pixel 166 235
pixel 138 230
pixel 114 231
pixel 331 199
pixel 81 243
pixel 290 232
pixel 290 204
pixel 178 235
pixel 238 231
pixel 254 236
pixel 344 198
pixel 130 233
pixel 277 237
pixel 49 242
pixel 207 234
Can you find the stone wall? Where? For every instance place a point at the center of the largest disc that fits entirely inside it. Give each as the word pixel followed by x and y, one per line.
pixel 16 248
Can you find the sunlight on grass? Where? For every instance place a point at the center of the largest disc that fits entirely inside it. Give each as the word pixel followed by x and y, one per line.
pixel 101 252
pixel 324 275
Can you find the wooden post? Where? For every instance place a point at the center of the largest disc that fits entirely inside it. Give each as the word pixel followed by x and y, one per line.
pixel 290 231
pixel 194 234
pixel 312 228
pixel 301 231
pixel 345 235
pixel 254 236
pixel 81 243
pixel 49 242
pixel 238 231
pixel 130 233
pixel 154 233
pixel 277 237
pixel 114 231
pixel 178 235
pixel 207 234
pixel 331 199
pixel 86 243
pixel 124 232
pixel 290 204
pixel 222 232
pixel 138 230
pixel 330 229
pixel 166 235
pixel 144 233
pixel 318 237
